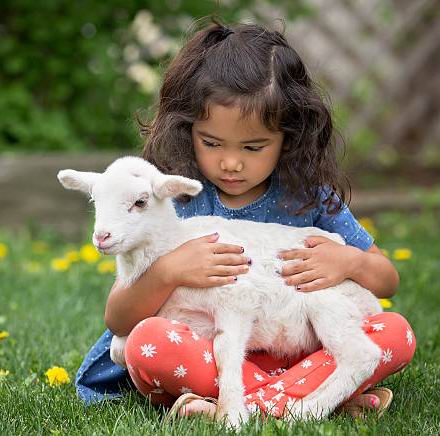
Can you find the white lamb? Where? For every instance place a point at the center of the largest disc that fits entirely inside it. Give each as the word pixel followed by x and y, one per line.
pixel 137 220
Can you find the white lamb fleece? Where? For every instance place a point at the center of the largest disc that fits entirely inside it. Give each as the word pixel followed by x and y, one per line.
pixel 259 311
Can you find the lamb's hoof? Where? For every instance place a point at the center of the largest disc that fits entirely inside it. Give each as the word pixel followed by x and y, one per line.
pixel 234 417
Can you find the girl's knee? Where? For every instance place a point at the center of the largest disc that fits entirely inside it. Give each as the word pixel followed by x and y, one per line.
pixel 143 339
pixel 394 335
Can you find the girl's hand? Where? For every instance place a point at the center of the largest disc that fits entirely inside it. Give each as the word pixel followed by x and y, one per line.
pixel 323 264
pixel 203 263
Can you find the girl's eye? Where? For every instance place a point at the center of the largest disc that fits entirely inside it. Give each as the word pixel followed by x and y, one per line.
pixel 209 144
pixel 140 203
pixel 254 148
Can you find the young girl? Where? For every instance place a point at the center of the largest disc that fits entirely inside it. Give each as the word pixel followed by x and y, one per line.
pixel 239 112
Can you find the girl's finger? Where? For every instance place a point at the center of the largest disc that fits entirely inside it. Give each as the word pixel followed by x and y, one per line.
pixel 226 248
pixel 296 268
pixel 295 254
pixel 298 279
pixel 315 285
pixel 222 270
pixel 232 259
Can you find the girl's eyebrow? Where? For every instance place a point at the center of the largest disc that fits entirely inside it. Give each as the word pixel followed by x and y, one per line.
pixel 249 141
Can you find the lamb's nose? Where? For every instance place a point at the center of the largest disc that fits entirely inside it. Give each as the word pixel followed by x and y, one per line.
pixel 103 236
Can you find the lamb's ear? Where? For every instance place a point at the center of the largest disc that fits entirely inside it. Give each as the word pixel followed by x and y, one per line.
pixel 173 186
pixel 78 180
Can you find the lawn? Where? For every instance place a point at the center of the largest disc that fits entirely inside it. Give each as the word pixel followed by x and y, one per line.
pixel 51 312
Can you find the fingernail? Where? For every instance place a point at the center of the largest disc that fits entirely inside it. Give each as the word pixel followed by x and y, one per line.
pixel 249 261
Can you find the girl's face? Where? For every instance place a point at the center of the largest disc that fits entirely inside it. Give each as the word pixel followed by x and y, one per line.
pixel 237 155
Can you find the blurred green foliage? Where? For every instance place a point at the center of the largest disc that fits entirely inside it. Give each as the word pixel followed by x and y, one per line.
pixel 63 76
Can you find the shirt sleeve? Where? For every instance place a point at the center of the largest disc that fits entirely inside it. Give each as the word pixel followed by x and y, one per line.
pixel 346 225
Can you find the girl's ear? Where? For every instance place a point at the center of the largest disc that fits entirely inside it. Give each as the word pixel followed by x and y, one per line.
pixel 78 180
pixel 173 186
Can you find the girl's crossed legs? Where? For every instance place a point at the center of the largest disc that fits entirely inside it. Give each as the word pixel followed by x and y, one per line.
pixel 166 359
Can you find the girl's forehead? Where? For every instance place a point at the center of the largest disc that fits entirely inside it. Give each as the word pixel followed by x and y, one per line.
pixel 222 118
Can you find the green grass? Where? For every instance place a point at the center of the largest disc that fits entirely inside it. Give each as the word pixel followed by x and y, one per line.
pixel 54 317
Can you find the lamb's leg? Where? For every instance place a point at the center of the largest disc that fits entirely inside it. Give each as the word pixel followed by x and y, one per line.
pixel 355 354
pixel 232 334
pixel 117 350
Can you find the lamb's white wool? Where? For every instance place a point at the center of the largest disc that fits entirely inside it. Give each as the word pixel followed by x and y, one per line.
pixel 136 220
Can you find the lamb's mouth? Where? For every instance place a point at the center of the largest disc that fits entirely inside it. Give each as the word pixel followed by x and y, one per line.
pixel 109 249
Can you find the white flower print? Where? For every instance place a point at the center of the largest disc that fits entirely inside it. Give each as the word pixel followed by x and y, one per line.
pixel 207 356
pixel 185 390
pixel 180 371
pixel 279 385
pixel 195 336
pixel 290 402
pixel 258 376
pixel 301 381
pixel 271 407
pixel 327 353
pixel 148 350
pixel 248 397
pixel 278 396
pixel 157 391
pixel 260 394
pixel 252 407
pixel 409 337
pixel 216 381
pixel 327 363
pixel 173 321
pixel 387 355
pixel 307 363
pixel 173 336
pixel 378 327
pixel 156 382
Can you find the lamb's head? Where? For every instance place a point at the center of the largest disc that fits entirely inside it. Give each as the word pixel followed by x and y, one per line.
pixel 132 201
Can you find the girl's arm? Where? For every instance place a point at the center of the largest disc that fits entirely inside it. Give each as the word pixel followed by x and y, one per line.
pixel 376 272
pixel 127 306
pixel 326 263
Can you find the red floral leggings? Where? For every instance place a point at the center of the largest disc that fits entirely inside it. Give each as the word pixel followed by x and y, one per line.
pixel 166 359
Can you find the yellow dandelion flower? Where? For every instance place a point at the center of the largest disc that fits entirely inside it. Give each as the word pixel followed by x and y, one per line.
pixel 40 247
pixel 3 250
pixel 402 254
pixel 368 225
pixel 385 252
pixel 3 373
pixel 3 335
pixel 57 376
pixel 385 303
pixel 32 267
pixel 60 264
pixel 72 256
pixel 107 266
pixel 89 253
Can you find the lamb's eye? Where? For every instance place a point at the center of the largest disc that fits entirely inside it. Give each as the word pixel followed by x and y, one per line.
pixel 140 203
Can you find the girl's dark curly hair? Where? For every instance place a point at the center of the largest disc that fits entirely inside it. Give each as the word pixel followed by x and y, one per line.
pixel 255 68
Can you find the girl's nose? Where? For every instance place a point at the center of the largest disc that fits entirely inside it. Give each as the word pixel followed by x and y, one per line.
pixel 231 164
